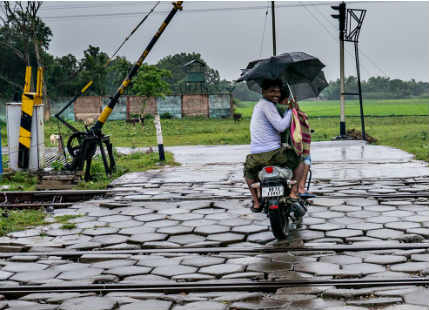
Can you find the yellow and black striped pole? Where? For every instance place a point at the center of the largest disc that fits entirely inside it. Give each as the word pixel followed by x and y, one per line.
pixel 29 100
pixel 96 129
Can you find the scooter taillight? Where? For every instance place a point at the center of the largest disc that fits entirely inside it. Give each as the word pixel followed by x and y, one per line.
pixel 269 169
pixel 273 207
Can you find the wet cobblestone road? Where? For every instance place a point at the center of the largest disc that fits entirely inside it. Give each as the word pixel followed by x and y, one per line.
pixel 187 207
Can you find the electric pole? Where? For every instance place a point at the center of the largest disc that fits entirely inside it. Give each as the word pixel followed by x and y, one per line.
pixel 341 16
pixel 273 19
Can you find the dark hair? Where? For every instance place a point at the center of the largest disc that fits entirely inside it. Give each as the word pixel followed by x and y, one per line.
pixel 284 93
pixel 271 83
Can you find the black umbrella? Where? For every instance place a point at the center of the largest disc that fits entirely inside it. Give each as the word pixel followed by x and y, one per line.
pixel 300 71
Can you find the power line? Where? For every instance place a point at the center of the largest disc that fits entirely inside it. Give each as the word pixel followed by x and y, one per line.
pixel 360 49
pixel 331 35
pixel 263 32
pixel 205 10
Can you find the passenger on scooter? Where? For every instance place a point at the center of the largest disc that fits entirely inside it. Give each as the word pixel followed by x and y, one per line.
pixel 265 144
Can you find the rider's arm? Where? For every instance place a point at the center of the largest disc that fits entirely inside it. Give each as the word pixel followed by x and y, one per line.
pixel 273 116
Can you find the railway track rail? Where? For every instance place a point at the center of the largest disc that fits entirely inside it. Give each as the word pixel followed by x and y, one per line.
pixel 226 250
pixel 209 286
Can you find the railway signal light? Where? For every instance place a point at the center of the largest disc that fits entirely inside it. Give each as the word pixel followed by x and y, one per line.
pixel 341 16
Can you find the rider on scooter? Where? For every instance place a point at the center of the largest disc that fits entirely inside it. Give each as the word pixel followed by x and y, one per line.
pixel 265 143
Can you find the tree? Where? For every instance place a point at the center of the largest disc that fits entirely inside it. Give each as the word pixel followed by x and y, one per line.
pixel 150 81
pixel 24 33
pixel 116 73
pixel 93 68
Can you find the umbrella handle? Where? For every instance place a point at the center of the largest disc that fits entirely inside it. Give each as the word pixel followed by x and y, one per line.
pixel 291 95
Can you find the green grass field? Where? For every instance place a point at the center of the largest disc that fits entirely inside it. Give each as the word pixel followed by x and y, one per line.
pixel 371 107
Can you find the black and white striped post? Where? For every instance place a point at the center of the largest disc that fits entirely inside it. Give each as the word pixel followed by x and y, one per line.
pixel 157 122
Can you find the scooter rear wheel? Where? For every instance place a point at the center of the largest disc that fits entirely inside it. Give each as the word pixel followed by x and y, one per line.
pixel 279 224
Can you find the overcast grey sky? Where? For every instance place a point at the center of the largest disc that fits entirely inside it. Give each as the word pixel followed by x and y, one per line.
pixel 394 40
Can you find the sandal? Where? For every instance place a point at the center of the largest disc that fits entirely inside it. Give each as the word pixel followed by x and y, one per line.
pixel 255 210
pixel 306 195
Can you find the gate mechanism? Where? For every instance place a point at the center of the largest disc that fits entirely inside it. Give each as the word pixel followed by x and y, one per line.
pixel 82 146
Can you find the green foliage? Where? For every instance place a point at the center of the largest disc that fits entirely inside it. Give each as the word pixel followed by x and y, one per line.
pixel 150 81
pixel 378 88
pixel 15 181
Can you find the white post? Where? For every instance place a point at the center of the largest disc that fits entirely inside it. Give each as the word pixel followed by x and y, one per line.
pixel 342 114
pixel 158 128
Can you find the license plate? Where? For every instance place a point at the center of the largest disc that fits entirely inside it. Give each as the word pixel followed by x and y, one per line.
pixel 272 191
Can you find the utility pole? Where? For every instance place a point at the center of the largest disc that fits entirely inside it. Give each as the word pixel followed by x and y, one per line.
pixel 341 16
pixel 273 19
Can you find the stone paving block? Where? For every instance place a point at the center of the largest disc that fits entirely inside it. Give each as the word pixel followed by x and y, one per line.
pixel 137 230
pixel 134 211
pixel 219 216
pixel 110 264
pixel 269 266
pixel 150 217
pixel 402 225
pixel 92 302
pixel 115 218
pixel 163 223
pixel 363 214
pixel 85 246
pixel 385 259
pixel 345 208
pixel 383 219
pixel 378 208
pixel 150 304
pixel 418 297
pixel 23 267
pixel 344 233
pixel 362 268
pixel 148 278
pixel 222 269
pixel 384 234
pixel 341 259
pixel 186 239
pixel 197 223
pixel 406 307
pixel 146 237
pixel 80 274
pixel 307 235
pixel 202 261
pixel 63 232
pixel 25 233
pixel 93 258
pixel 192 277
pixel 250 229
pixel 262 237
pixel 348 293
pixel 32 276
pixel 327 202
pixel 186 216
pixel 345 220
pixel 227 238
pixel 173 270
pixel 245 275
pixel 126 271
pixel 396 203
pixel 395 292
pixel 211 229
pixel 308 220
pixel 126 224
pixel 175 230
pixel 420 231
pixel 107 240
pixel 378 301
pixel 410 267
pixel 364 226
pixel 420 257
pixel 327 214
pixel 200 305
pixel 326 227
pixel 88 225
pixel 235 222
pixel 100 231
pixel 319 268
pixel 4 275
pixel 160 245
pixel 206 211
pixel 158 261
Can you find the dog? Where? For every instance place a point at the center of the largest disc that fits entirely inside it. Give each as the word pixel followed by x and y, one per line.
pixel 237 117
pixel 54 139
pixel 89 121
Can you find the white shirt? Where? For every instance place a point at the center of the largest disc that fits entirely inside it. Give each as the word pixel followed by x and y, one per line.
pixel 266 125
